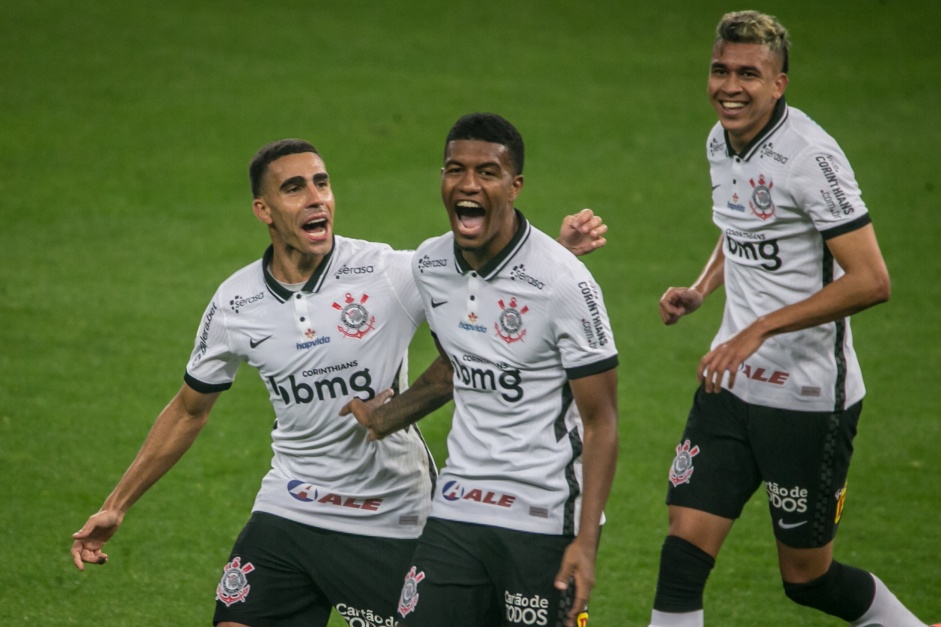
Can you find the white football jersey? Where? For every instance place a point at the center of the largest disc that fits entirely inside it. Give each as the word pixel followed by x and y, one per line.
pixel 777 203
pixel 515 331
pixel 344 334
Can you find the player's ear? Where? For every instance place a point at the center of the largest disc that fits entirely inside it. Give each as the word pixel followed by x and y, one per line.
pixel 261 211
pixel 517 186
pixel 780 85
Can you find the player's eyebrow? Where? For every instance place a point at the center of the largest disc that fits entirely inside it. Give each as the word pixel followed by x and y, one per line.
pixel 301 181
pixel 719 65
pixel 479 166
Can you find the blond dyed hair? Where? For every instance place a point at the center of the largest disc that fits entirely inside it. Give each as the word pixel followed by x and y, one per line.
pixel 752 27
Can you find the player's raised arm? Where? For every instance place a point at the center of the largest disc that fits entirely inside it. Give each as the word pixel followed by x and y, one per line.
pixel 596 397
pixel 583 232
pixel 171 435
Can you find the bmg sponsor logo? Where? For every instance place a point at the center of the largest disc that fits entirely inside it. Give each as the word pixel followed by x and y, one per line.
pixel 301 392
pixel 523 610
pixel 787 499
pixel 766 251
pixel 508 382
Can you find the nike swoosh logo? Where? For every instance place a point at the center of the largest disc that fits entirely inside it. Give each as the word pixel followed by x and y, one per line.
pixel 784 525
pixel 435 305
pixel 715 186
pixel 255 343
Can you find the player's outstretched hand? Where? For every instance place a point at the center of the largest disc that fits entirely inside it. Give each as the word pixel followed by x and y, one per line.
pixel 89 541
pixel 578 570
pixel 583 232
pixel 364 412
pixel 676 302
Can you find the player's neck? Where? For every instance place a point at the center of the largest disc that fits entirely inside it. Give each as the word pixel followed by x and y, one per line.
pixel 290 266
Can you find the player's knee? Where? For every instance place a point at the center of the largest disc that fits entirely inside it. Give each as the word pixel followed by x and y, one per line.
pixel 844 591
pixel 684 569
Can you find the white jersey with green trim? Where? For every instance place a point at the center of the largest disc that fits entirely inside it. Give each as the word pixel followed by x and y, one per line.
pixel 516 332
pixel 344 334
pixel 776 204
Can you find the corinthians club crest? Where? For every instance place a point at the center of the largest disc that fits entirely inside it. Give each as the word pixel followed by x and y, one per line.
pixel 355 320
pixel 682 468
pixel 233 588
pixel 509 325
pixel 409 597
pixel 761 203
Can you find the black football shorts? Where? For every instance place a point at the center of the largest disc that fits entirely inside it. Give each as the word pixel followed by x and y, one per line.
pixel 730 449
pixel 285 574
pixel 468 575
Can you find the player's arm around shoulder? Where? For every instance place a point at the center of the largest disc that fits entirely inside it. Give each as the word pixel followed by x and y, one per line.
pixel 384 415
pixel 596 398
pixel 171 435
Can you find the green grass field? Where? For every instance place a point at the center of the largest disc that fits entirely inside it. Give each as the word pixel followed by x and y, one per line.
pixel 125 134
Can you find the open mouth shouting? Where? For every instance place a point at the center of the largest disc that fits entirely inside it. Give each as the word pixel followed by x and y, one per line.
pixel 316 228
pixel 470 217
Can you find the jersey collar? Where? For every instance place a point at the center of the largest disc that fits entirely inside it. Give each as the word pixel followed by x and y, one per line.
pixel 492 267
pixel 313 284
pixel 777 119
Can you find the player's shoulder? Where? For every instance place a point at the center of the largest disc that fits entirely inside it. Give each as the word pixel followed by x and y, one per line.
pixel 436 246
pixel 544 256
pixel 346 247
pixel 804 135
pixel 351 252
pixel 247 279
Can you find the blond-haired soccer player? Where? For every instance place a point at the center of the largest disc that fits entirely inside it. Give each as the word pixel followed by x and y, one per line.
pixel 781 388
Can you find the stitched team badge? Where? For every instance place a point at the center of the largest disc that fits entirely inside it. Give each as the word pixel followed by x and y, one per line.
pixel 761 203
pixel 509 325
pixel 355 321
pixel 409 598
pixel 682 468
pixel 234 588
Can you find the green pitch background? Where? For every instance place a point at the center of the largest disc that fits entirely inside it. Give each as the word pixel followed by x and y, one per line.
pixel 125 133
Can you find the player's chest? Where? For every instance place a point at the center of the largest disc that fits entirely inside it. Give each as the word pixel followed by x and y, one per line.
pixel 340 323
pixel 503 321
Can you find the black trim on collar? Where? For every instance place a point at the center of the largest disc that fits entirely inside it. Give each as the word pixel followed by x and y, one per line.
pixel 490 269
pixel 313 284
pixel 780 113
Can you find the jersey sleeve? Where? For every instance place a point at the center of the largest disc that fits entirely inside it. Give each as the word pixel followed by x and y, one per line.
pixel 212 365
pixel 582 327
pixel 825 187
pixel 398 267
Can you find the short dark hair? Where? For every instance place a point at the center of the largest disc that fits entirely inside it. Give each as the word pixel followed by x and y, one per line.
pixel 489 127
pixel 272 152
pixel 753 27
